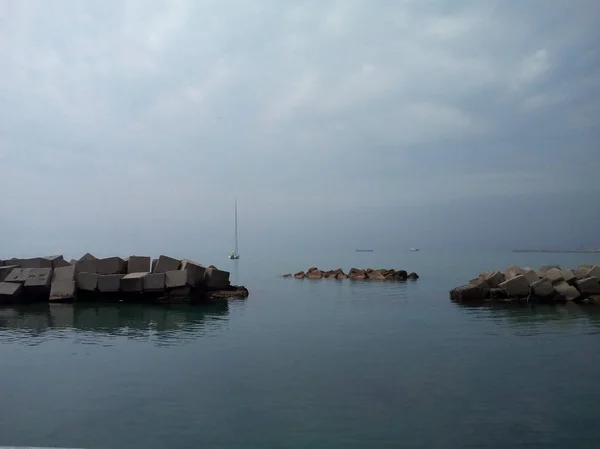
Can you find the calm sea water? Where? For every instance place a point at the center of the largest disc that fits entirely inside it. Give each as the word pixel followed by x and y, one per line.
pixel 331 364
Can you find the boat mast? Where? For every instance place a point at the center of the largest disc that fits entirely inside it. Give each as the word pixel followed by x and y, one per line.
pixel 236 231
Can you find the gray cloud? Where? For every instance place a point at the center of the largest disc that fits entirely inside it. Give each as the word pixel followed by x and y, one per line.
pixel 134 112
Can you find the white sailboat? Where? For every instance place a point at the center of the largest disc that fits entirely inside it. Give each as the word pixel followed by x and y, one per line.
pixel 235 254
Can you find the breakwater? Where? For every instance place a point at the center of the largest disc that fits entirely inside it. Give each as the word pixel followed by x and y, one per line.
pixel 548 284
pixel 389 274
pixel 135 279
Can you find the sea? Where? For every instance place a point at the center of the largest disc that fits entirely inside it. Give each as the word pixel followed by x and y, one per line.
pixel 309 363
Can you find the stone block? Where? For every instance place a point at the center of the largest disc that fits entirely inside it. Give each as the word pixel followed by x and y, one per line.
pixel 111 265
pixel 87 281
pixel 531 276
pixel 64 274
pixel 513 271
pixel 154 282
pixel 35 262
pixel 376 275
pixel 568 275
pixel 61 263
pixel 567 291
pixel 593 272
pixel 133 282
pixel 468 294
pixel 10 291
pixel 579 273
pixel 138 264
pixel 495 279
pixel 176 278
pixel 109 283
pixel 196 271
pixel 86 266
pixel 516 287
pixel 166 263
pixel 217 279
pixel 545 268
pixel 542 288
pixel 18 275
pixel 6 270
pixel 39 278
pixel 588 286
pixel 56 261
pixel 554 275
pixel 63 291
pixel 300 275
pixel 153 267
pixel 88 256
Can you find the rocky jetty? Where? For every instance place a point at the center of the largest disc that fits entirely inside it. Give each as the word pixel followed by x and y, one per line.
pixel 133 279
pixel 354 273
pixel 548 284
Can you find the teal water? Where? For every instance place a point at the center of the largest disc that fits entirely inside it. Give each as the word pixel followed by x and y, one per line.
pixel 331 364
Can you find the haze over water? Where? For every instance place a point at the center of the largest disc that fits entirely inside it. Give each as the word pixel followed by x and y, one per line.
pixel 308 364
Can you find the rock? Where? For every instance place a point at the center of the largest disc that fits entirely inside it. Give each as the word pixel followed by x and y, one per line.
pixel 56 261
pixel 402 275
pixel 111 265
pixel 6 270
pixel 413 276
pixel 376 275
pixel 88 256
pixel 568 275
pixel 138 264
pixel 87 281
pixel 154 262
pixel 196 272
pixel 109 283
pixel 300 275
pixel 176 278
pixel 287 275
pixel 64 274
pixel 513 271
pixel 542 288
pixel 166 263
pixel 154 282
pixel 545 268
pixel 312 269
pixel 216 279
pixel 467 294
pixel 531 276
pixel 86 266
pixel 516 287
pixel 594 299
pixel 482 283
pixel 18 275
pixel 133 282
pixel 10 291
pixel 61 263
pixel 497 293
pixel 355 273
pixel 588 286
pixel 579 273
pixel 593 272
pixel 314 274
pixel 554 275
pixel 39 278
pixel 567 291
pixel 63 291
pixel 495 279
pixel 341 275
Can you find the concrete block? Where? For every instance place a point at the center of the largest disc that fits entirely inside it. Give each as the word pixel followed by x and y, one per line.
pixel 154 282
pixel 86 266
pixel 166 263
pixel 63 291
pixel 88 256
pixel 177 278
pixel 133 282
pixel 64 274
pixel 468 294
pixel 5 271
pixel 153 267
pixel 554 275
pixel 542 288
pixel 531 276
pixel 593 272
pixel 18 275
pixel 60 264
pixel 9 291
pixel 195 270
pixel 109 283
pixel 36 262
pixel 138 264
pixel 516 287
pixel 39 278
pixel 87 281
pixel 56 261
pixel 513 271
pixel 579 273
pixel 588 286
pixel 569 292
pixel 495 279
pixel 111 265
pixel 568 275
pixel 216 279
pixel 545 268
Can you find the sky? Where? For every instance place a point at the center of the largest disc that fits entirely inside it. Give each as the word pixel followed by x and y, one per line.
pixel 131 126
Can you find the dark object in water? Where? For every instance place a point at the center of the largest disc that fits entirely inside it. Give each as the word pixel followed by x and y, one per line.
pixel 364 250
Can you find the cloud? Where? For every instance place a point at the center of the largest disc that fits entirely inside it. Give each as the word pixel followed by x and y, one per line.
pixel 142 109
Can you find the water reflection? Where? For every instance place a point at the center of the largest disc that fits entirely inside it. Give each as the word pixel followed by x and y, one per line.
pixel 99 324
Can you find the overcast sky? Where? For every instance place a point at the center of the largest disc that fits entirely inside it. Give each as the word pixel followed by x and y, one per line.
pixel 132 125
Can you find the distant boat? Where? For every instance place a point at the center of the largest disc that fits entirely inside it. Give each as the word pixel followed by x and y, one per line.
pixel 235 254
pixel 365 250
pixel 414 249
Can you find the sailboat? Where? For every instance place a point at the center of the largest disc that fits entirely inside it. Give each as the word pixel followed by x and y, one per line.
pixel 235 254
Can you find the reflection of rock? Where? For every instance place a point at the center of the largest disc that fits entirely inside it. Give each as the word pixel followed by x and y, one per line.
pixel 549 284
